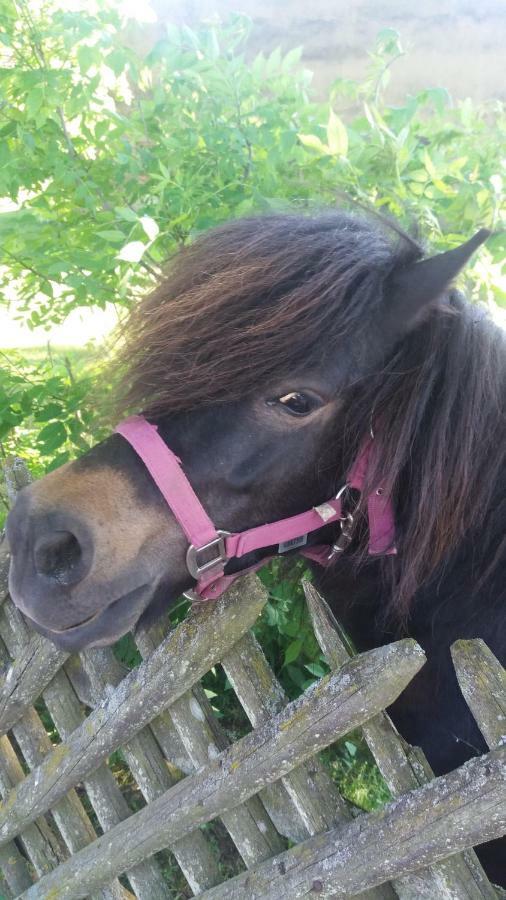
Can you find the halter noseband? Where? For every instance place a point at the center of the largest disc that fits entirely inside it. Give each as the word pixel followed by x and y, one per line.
pixel 211 548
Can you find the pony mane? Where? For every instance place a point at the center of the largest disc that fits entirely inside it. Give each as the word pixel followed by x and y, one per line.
pixel 250 300
pixel 440 440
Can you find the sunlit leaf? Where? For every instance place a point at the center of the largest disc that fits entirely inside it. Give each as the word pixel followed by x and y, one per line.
pixel 132 252
pixel 313 142
pixel 150 227
pixel 337 135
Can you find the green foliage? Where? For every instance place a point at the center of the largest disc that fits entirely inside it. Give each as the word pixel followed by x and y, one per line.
pixel 48 407
pixel 109 162
pixel 284 629
pixel 112 161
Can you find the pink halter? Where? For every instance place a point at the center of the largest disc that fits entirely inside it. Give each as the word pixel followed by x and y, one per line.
pixel 211 548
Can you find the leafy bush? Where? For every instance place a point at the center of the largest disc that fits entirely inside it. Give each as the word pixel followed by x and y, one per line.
pixel 109 162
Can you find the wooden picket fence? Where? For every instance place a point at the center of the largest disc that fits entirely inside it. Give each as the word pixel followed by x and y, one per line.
pixel 269 789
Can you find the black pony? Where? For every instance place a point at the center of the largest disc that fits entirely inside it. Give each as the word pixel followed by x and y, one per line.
pixel 267 353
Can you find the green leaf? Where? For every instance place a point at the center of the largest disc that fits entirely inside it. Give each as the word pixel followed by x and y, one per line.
pixel 429 165
pixel 313 142
pixel 337 135
pixel 351 748
pixel 292 651
pixel 59 460
pixel 117 60
pixel 132 252
pixel 291 58
pixel 113 235
pixel 150 227
pixel 86 57
pixel 49 411
pixel 123 212
pixel 316 669
pixel 51 437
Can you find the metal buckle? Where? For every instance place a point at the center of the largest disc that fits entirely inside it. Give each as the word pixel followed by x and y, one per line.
pixel 192 556
pixel 192 596
pixel 347 525
pixel 344 540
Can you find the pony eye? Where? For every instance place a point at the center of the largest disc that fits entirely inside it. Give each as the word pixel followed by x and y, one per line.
pixel 296 403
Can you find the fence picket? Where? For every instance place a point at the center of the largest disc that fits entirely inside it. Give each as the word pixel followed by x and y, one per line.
pixel 69 814
pixel 250 827
pixel 34 667
pixel 418 829
pixel 335 705
pixel 267 785
pixel 172 669
pixel 309 794
pixel 461 876
pixel 482 681
pixel 148 766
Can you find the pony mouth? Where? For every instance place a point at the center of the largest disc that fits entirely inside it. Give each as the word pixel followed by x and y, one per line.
pixel 84 622
pixel 104 626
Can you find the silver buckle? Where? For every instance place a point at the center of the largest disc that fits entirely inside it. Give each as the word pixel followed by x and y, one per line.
pixel 192 596
pixel 197 569
pixel 347 524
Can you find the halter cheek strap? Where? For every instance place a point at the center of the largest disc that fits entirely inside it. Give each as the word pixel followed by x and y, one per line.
pixel 211 548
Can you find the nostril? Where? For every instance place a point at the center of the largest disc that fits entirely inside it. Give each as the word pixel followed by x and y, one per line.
pixel 57 556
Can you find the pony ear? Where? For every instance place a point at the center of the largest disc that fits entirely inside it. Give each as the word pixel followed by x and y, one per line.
pixel 412 291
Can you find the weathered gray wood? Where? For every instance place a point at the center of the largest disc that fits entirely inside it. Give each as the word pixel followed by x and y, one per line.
pixel 403 769
pixel 39 842
pixel 88 689
pixel 330 709
pixel 6 893
pixel 186 654
pixel 4 569
pixel 420 828
pixel 103 792
pixel 262 696
pixel 147 640
pixel 24 681
pixel 69 814
pixel 310 796
pixel 16 476
pixel 148 766
pixel 482 681
pixel 250 827
pixel 388 747
pixel 14 871
pixel 199 732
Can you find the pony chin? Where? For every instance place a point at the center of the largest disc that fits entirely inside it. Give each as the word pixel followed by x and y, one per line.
pixel 103 628
pixel 140 607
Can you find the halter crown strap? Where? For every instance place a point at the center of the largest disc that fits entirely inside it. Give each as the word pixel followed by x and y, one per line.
pixel 211 548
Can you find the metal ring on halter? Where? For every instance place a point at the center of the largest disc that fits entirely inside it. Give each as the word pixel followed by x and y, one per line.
pixel 193 597
pixel 338 496
pixel 346 524
pixel 342 490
